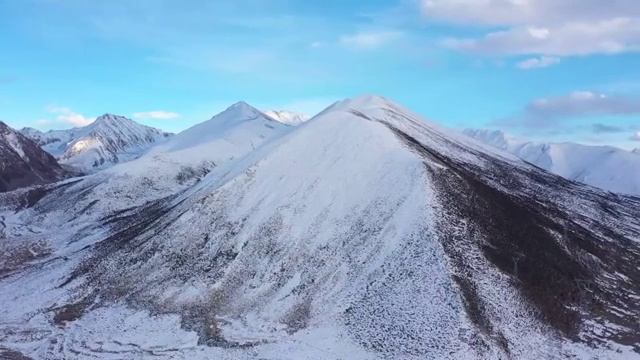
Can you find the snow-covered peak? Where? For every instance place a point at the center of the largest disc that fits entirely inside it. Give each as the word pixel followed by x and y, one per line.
pixel 359 102
pixel 239 111
pixel 110 139
pixel 240 122
pixel 287 117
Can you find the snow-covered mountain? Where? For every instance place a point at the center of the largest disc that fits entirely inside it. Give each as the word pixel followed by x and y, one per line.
pixel 109 140
pixel 23 163
pixel 188 156
pixel 605 167
pixel 287 117
pixel 368 233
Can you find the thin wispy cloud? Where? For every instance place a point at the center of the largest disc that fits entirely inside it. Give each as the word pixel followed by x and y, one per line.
pixel 68 116
pixel 550 112
pixel 541 62
pixel 157 115
pixel 607 129
pixel 542 27
pixel 370 39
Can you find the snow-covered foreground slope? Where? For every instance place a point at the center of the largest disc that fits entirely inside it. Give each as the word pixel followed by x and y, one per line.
pixel 605 167
pixel 23 163
pixel 365 233
pixel 110 140
pixel 287 117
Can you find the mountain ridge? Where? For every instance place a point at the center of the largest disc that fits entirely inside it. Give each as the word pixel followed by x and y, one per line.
pixel 604 167
pixel 369 232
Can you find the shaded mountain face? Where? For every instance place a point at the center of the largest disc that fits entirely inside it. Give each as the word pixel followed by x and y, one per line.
pixel 604 167
pixel 110 140
pixel 367 233
pixel 23 163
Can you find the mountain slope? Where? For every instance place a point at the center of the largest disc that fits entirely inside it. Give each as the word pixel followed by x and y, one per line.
pixel 287 117
pixel 367 233
pixel 111 139
pixel 605 167
pixel 23 163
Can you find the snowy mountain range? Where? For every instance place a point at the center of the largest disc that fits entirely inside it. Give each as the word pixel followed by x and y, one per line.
pixel 109 140
pixel 23 163
pixel 368 233
pixel 605 167
pixel 287 117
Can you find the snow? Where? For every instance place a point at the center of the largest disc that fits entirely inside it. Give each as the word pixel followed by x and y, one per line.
pixel 111 139
pixel 12 140
pixel 604 167
pixel 287 117
pixel 315 242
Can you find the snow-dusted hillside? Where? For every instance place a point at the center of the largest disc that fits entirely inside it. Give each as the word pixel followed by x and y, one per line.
pixel 367 233
pixel 287 117
pixel 605 167
pixel 110 140
pixel 23 163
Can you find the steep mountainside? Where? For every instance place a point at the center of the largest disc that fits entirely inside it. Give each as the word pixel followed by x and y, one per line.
pixel 23 163
pixel 605 167
pixel 287 117
pixel 110 140
pixel 368 233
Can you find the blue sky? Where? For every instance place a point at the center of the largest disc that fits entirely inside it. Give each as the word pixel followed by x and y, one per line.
pixel 559 70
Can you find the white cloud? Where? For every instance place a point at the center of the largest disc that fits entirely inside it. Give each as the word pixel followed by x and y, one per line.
pixel 549 112
pixel 533 12
pixel 570 39
pixel 370 39
pixel 158 115
pixel 44 122
pixel 68 116
pixel 541 62
pixel 636 136
pixel 543 27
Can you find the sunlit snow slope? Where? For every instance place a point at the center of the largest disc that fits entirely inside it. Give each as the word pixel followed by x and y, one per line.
pixel 366 233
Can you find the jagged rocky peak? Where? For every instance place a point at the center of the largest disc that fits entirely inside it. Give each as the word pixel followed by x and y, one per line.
pixel 109 140
pixel 23 163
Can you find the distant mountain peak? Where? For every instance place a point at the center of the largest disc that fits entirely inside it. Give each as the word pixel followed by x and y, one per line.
pixel 108 116
pixel 239 111
pixel 287 117
pixel 110 139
